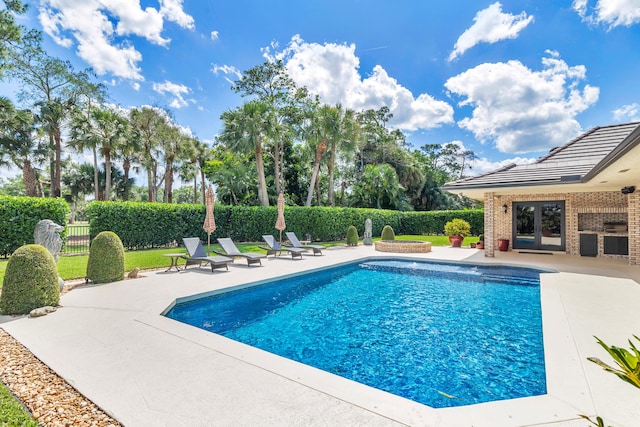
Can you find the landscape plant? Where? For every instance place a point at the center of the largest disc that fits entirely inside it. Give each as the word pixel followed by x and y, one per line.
pixel 387 233
pixel 627 361
pixel 457 227
pixel 30 281
pixel 106 258
pixel 352 236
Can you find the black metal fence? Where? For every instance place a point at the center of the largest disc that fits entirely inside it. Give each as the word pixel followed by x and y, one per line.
pixel 77 240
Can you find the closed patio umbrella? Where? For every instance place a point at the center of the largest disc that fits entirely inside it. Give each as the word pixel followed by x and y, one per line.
pixel 209 222
pixel 280 225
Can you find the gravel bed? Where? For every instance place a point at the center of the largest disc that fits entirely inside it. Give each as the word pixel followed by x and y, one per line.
pixel 49 398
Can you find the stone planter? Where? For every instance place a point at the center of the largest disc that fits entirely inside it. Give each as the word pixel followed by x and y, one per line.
pixel 402 246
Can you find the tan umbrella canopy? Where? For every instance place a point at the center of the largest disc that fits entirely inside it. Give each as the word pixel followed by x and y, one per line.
pixel 209 222
pixel 280 225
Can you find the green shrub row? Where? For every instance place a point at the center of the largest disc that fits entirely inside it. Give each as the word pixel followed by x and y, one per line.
pixel 148 225
pixel 19 216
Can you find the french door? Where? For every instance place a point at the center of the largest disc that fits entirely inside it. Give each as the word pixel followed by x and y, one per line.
pixel 539 225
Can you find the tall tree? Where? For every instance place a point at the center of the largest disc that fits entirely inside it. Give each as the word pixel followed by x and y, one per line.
pixel 270 84
pixel 10 31
pixel 19 143
pixel 106 129
pixel 54 86
pixel 150 125
pixel 244 131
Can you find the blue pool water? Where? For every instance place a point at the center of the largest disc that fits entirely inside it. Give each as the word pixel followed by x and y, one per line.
pixel 439 334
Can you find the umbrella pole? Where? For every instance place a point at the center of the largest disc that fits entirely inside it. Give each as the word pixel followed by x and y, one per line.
pixel 208 244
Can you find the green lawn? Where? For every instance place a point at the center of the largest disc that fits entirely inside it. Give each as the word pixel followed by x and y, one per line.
pixel 12 413
pixel 73 267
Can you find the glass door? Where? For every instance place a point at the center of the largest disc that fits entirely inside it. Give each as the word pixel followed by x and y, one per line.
pixel 539 225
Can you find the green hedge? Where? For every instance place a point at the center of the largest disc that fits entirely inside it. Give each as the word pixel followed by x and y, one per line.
pixel 148 225
pixel 19 216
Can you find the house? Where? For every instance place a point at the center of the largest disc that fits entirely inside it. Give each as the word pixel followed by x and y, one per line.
pixel 580 198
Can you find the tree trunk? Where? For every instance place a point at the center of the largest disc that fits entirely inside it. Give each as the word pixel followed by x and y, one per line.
pixel 262 182
pixel 55 182
pixel 203 190
pixel 276 165
pixel 168 182
pixel 96 178
pixel 107 175
pixel 330 167
pixel 29 179
pixel 150 182
pixel 195 189
pixel 320 149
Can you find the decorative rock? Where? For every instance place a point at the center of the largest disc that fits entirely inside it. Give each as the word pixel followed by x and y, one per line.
pixel 42 311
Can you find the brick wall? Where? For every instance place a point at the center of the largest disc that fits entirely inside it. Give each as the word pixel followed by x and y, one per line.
pixel 580 208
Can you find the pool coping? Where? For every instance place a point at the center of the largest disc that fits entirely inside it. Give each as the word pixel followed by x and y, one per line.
pixel 564 379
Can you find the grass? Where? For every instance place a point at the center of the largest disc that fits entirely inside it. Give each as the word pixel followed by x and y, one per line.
pixel 12 412
pixel 74 267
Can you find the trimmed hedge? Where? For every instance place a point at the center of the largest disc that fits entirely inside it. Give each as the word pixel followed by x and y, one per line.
pixel 106 259
pixel 149 225
pixel 19 216
pixel 30 281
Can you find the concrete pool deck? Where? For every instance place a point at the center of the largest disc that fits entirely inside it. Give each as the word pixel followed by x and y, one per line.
pixel 111 343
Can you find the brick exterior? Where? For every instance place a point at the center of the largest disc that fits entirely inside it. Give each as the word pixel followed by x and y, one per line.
pixel 583 211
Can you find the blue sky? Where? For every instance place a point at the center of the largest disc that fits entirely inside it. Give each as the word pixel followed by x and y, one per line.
pixel 508 80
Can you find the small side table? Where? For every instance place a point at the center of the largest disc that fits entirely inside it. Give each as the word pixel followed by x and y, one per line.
pixel 174 261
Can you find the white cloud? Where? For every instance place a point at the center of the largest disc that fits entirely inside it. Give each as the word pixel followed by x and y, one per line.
pixel 490 25
pixel 521 110
pixel 627 113
pixel 610 12
pixel 177 90
pixel 230 72
pixel 90 23
pixel 215 35
pixel 331 72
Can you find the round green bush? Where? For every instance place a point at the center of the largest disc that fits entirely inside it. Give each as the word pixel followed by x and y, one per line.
pixel 106 258
pixel 30 281
pixel 352 236
pixel 457 227
pixel 387 233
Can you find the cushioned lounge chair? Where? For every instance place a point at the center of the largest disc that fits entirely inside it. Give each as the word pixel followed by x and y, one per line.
pixel 197 255
pixel 231 250
pixel 276 248
pixel 293 239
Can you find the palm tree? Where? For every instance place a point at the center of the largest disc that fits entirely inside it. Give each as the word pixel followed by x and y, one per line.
pixel 244 130
pixel 150 124
pixel 104 129
pixel 19 144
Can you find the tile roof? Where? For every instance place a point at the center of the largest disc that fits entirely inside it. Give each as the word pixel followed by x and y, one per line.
pixel 570 163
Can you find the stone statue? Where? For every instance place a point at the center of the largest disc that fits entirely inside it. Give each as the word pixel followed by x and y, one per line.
pixel 47 235
pixel 368 239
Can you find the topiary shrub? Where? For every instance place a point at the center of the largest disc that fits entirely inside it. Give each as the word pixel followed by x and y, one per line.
pixel 352 236
pixel 106 258
pixel 387 233
pixel 30 281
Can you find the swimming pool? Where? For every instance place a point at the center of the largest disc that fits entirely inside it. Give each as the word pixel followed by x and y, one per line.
pixel 441 334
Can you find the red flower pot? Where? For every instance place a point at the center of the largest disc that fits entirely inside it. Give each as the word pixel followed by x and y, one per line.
pixel 503 245
pixel 456 241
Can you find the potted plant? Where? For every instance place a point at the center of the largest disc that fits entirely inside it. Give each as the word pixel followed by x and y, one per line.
pixel 457 229
pixel 480 244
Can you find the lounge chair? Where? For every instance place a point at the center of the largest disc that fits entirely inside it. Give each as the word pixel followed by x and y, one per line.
pixel 276 248
pixel 230 249
pixel 197 255
pixel 293 239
